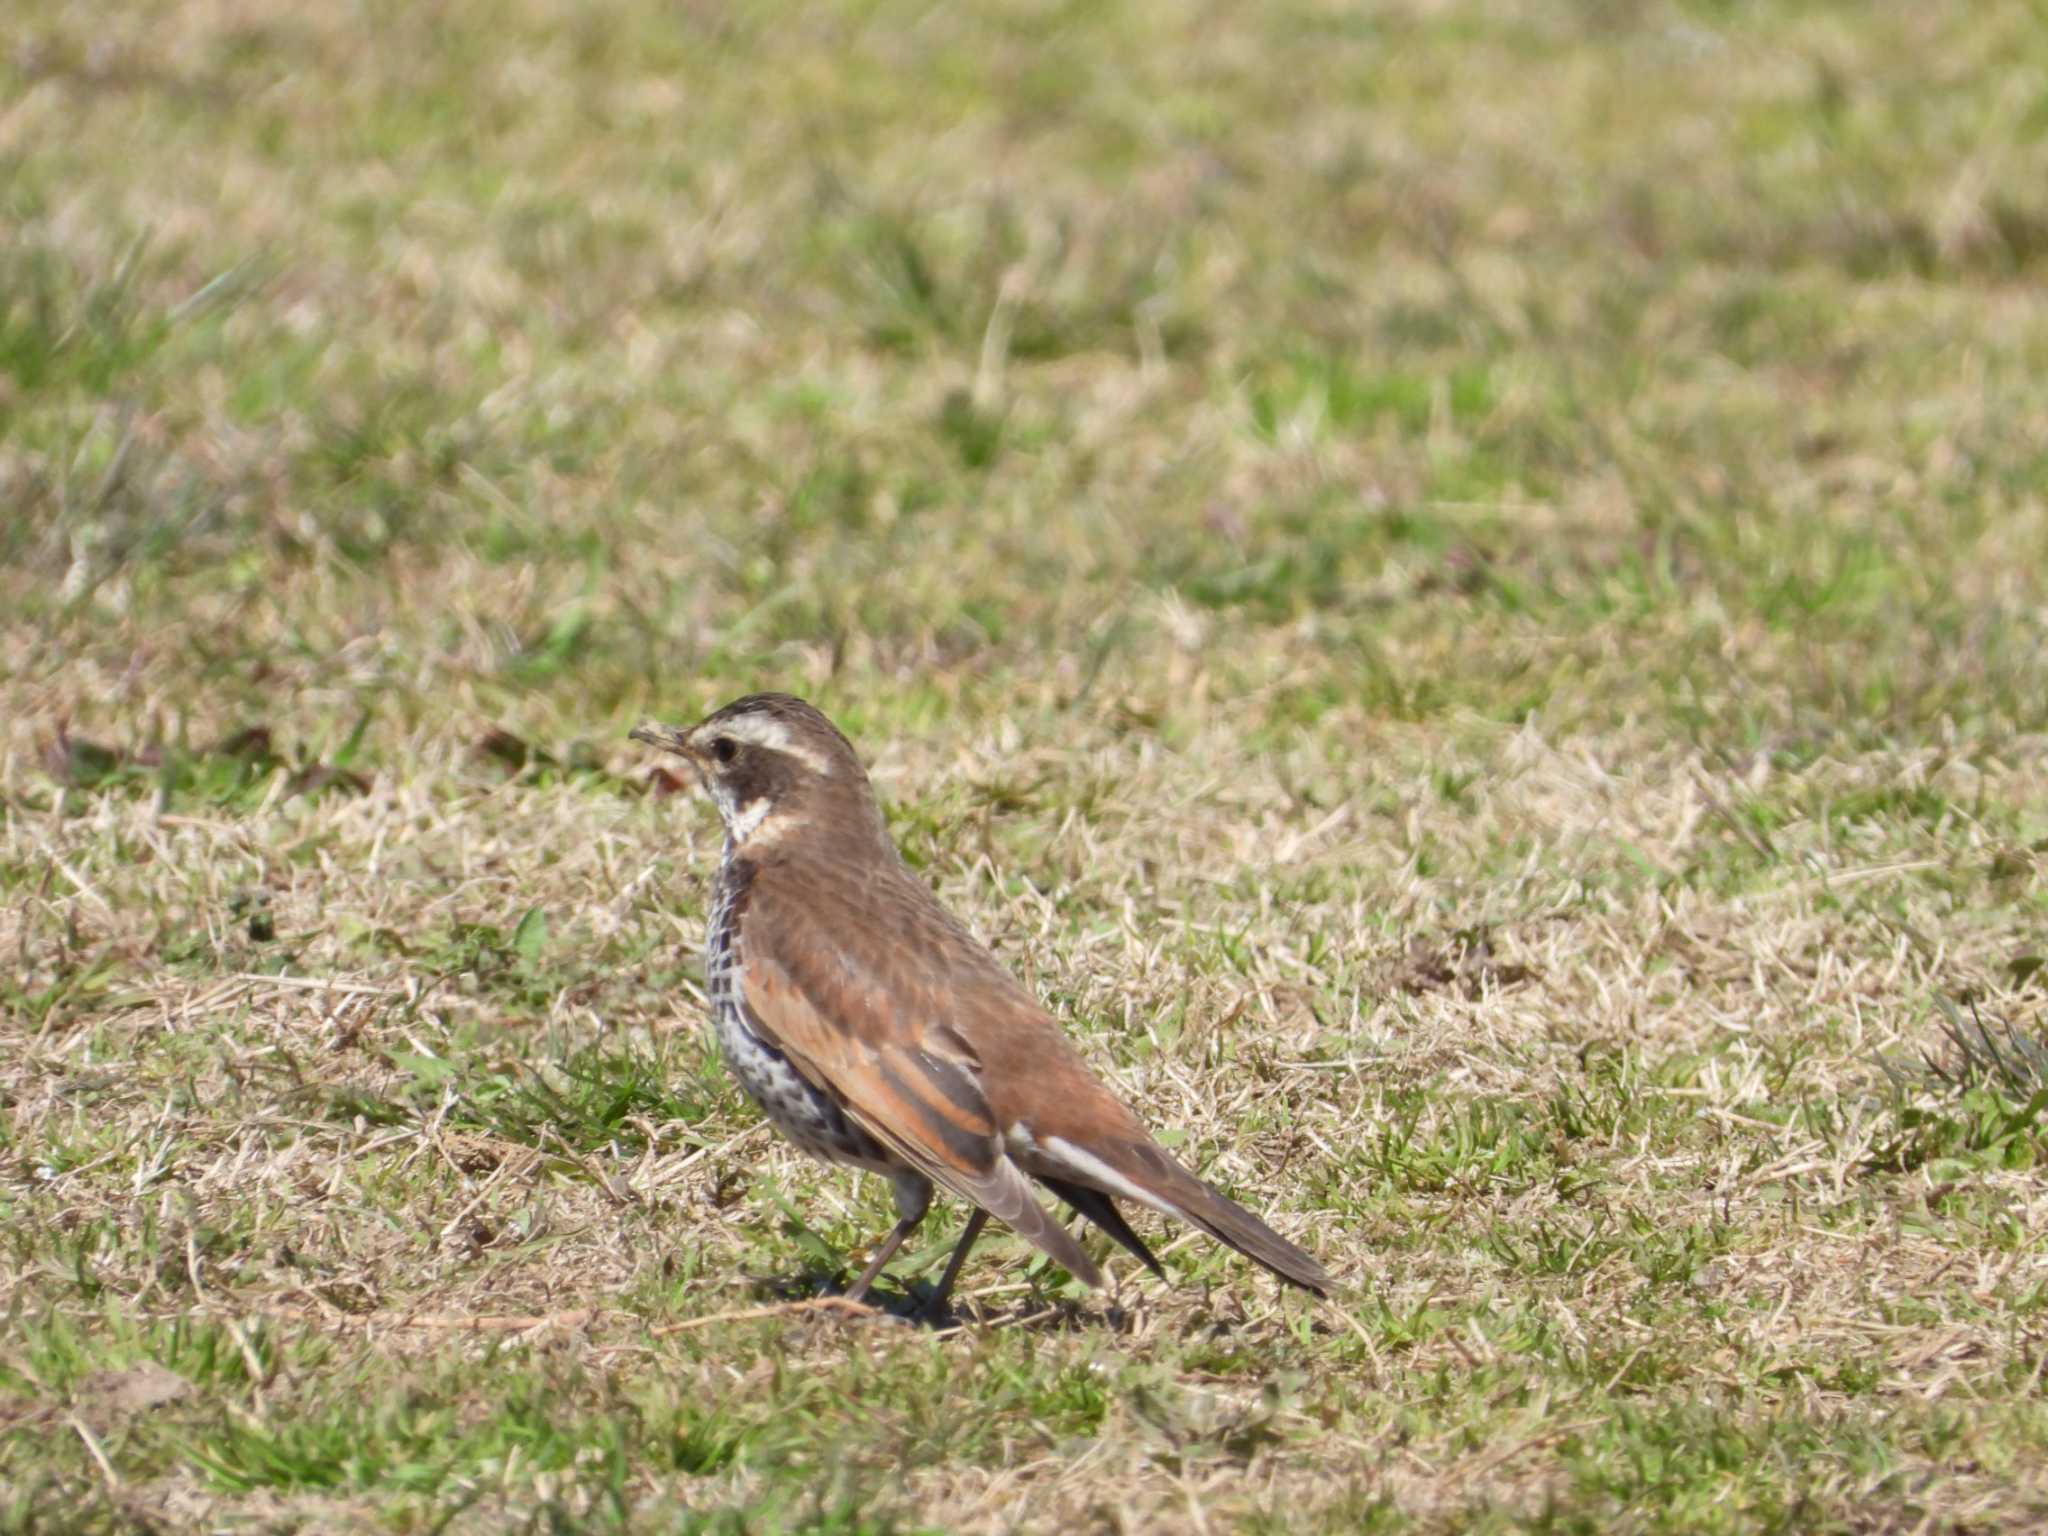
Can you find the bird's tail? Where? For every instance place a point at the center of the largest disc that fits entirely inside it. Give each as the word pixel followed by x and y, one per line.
pixel 1143 1171
pixel 1205 1206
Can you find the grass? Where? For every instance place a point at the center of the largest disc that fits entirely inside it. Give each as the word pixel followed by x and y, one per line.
pixel 1459 587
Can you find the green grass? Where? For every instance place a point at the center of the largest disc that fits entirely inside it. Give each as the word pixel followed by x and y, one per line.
pixel 1460 588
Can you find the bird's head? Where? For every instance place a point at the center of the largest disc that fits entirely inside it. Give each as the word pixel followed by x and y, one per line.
pixel 770 760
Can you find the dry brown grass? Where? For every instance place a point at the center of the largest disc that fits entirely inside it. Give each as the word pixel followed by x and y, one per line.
pixel 186 1142
pixel 1459 588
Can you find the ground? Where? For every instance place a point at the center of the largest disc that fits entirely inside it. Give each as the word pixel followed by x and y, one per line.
pixel 1460 587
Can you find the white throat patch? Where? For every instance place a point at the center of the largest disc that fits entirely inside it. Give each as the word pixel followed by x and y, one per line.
pixel 745 820
pixel 754 823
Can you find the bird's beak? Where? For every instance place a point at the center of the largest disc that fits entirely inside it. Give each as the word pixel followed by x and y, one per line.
pixel 668 738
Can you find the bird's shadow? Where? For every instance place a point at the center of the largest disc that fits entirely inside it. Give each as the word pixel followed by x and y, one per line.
pixel 1037 1312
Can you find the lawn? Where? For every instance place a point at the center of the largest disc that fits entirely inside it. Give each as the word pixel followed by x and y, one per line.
pixel 1462 588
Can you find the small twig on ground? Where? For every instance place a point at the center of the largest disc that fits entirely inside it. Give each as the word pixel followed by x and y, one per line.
pixel 318 984
pixel 1501 1458
pixel 780 1309
pixel 514 1323
pixel 98 1453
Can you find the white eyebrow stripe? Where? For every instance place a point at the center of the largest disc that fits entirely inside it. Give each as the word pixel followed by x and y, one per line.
pixel 769 732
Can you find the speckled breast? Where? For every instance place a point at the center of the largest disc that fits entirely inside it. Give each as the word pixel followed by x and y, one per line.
pixel 800 1111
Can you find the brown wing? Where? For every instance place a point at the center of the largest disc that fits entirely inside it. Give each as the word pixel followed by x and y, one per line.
pixel 942 1055
pixel 884 1049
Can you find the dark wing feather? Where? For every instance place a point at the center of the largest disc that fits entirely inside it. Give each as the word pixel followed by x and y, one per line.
pixel 1100 1209
pixel 1148 1172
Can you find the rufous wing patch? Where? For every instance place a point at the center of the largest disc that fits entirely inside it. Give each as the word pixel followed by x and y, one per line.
pixel 923 1106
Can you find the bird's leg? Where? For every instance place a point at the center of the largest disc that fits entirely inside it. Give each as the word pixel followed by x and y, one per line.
pixel 974 1225
pixel 883 1255
pixel 913 1199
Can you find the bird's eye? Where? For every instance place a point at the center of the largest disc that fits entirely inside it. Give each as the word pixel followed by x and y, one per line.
pixel 725 749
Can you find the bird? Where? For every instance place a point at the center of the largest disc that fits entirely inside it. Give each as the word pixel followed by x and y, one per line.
pixel 875 1031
